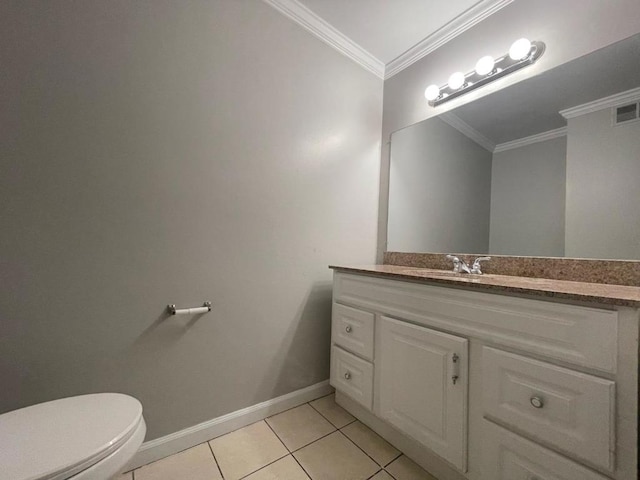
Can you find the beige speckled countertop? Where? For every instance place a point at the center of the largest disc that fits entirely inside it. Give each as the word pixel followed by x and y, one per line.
pixel 561 289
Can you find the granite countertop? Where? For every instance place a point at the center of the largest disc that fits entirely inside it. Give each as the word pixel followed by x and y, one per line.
pixel 562 289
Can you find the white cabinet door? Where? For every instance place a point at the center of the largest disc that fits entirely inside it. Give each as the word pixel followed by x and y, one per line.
pixel 422 386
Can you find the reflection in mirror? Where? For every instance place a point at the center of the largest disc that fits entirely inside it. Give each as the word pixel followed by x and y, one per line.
pixel 546 167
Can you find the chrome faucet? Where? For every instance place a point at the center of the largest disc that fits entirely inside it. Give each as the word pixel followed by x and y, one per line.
pixel 460 266
pixel 475 268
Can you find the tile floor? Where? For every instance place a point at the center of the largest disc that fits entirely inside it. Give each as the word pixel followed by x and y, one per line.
pixel 318 441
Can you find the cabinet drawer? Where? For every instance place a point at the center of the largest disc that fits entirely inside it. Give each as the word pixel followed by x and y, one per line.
pixel 571 411
pixel 352 376
pixel 352 329
pixel 507 456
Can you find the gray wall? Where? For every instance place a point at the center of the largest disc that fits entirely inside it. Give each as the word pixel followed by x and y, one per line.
pixel 570 29
pixel 603 196
pixel 527 200
pixel 156 152
pixel 440 190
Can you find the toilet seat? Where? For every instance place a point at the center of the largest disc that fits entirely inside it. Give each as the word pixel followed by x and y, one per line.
pixel 63 438
pixel 115 463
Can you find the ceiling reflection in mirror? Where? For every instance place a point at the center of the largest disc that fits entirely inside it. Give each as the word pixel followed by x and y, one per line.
pixel 510 174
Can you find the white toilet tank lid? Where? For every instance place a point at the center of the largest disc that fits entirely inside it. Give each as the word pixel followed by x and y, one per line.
pixel 57 439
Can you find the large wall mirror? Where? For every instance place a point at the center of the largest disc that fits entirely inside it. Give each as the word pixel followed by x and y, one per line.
pixel 509 174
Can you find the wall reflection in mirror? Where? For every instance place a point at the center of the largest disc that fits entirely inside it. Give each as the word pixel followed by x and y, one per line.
pixel 549 166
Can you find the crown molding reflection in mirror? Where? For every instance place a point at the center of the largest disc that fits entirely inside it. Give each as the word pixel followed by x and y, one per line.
pixel 521 54
pixel 463 127
pixel 468 131
pixel 530 140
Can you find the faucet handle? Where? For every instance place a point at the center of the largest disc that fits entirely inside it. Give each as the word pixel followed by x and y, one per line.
pixel 475 268
pixel 456 262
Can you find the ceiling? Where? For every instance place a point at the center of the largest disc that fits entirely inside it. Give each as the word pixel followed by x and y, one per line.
pixel 388 28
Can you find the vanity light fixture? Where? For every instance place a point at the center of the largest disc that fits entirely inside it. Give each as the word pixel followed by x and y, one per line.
pixel 522 53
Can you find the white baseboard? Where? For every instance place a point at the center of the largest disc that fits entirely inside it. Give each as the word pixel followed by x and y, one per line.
pixel 192 436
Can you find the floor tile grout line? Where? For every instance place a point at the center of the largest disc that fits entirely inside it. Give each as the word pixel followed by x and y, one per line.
pixel 389 473
pixel 265 466
pixel 327 418
pixel 285 411
pixel 381 466
pixel 306 445
pixel 369 478
pixel 175 453
pixel 296 406
pixel 281 442
pixel 278 436
pixel 336 431
pixel 358 446
pixel 323 396
pixel 353 441
pixel 346 425
pixel 316 440
pixel 303 469
pixel 393 459
pixel 214 459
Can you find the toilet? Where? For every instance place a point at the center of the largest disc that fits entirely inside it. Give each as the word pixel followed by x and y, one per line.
pixel 88 437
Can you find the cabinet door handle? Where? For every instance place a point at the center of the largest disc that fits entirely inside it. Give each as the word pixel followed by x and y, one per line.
pixel 348 329
pixel 537 402
pixel 455 361
pixel 347 375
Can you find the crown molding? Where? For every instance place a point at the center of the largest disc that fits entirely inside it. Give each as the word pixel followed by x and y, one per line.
pixel 455 27
pixel 328 34
pixel 467 130
pixel 539 137
pixel 616 100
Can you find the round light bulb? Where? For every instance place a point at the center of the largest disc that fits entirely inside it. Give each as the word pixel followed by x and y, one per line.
pixel 485 65
pixel 456 80
pixel 520 49
pixel 432 92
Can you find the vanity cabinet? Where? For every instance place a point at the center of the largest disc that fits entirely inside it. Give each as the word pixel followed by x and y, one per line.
pixel 484 386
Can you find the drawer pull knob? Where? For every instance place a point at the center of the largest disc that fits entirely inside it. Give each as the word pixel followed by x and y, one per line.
pixel 537 402
pixel 347 375
pixel 348 329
